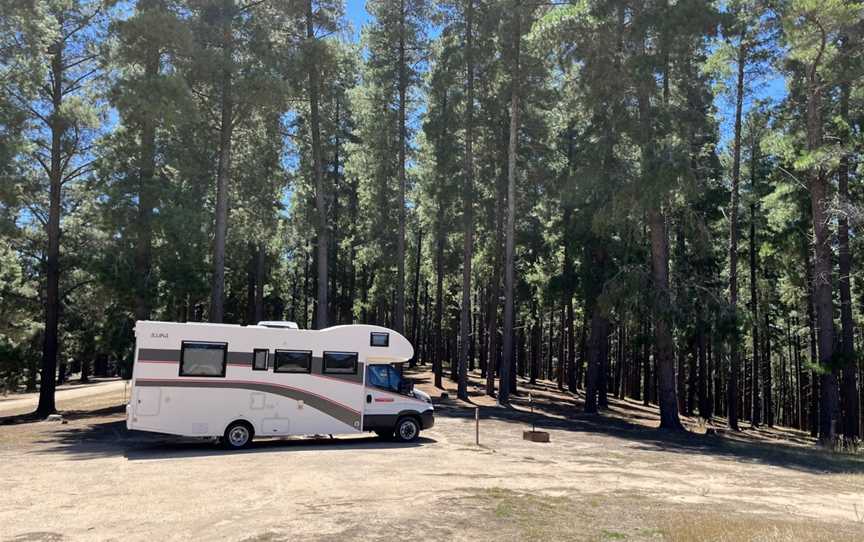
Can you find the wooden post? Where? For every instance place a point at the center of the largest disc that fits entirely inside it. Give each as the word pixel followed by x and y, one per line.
pixel 477 426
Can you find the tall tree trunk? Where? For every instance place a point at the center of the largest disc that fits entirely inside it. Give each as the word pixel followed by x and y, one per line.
pixel 399 311
pixel 596 253
pixel 437 360
pixel 851 413
pixel 597 338
pixel 467 205
pixel 416 307
pixel 260 278
pixel 692 372
pixel 483 308
pixel 823 283
pixel 813 418
pixel 472 350
pixel 549 349
pixel 251 276
pixel 338 311
pixel 536 339
pixel 223 173
pixel 323 245
pixel 620 364
pixel 495 291
pixel 48 380
pixel 583 349
pixel 562 333
pixel 146 198
pixel 646 373
pixel 353 209
pixel 734 347
pixel 682 270
pixel 509 246
pixel 705 409
pixel 569 271
pixel 571 349
pixel 603 387
pixel 306 287
pixel 755 415
pixel 799 379
pixel 664 347
pixel 767 394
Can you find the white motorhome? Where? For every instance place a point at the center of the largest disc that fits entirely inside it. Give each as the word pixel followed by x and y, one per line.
pixel 237 382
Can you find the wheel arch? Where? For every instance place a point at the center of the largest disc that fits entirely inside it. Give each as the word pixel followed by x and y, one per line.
pixel 411 414
pixel 243 420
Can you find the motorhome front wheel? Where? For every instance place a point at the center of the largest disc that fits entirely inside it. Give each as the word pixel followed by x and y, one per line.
pixel 407 430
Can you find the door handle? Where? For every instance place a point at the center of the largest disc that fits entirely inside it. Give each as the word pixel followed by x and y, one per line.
pixel 368 397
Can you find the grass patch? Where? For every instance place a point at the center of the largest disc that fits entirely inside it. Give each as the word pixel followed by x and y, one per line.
pixel 725 528
pixel 507 515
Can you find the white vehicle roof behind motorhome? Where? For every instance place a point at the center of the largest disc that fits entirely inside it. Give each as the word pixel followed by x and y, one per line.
pixel 284 324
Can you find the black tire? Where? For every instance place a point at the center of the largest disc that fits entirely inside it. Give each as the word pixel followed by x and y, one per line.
pixel 238 435
pixel 384 434
pixel 407 429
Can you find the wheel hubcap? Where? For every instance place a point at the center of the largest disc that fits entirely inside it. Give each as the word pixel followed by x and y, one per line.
pixel 408 430
pixel 238 436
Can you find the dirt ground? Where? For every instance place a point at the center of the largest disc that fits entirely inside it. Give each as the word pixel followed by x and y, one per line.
pixel 607 477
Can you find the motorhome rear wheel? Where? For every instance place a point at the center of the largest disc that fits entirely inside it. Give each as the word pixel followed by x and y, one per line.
pixel 238 435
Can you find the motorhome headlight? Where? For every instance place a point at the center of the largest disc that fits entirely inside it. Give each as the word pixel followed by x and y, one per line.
pixel 421 395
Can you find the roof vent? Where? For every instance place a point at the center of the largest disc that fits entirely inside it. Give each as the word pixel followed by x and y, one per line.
pixel 279 324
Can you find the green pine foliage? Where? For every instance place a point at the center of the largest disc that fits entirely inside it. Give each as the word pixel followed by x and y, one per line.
pixel 625 159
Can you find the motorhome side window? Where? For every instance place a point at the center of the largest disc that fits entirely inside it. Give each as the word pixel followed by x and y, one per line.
pixel 259 359
pixel 292 361
pixel 379 339
pixel 340 362
pixel 203 358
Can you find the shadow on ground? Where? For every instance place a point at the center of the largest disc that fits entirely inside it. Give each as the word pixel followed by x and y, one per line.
pixel 68 415
pixel 111 438
pixel 554 410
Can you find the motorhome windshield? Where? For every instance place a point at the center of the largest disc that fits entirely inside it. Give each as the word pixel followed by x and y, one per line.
pixel 385 377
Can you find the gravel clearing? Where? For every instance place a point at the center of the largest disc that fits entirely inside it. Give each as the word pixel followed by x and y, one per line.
pixel 600 478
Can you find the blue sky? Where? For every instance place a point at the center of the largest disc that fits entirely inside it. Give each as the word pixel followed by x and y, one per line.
pixel 355 12
pixel 774 87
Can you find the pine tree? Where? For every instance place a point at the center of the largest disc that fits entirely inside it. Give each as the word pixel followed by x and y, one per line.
pixel 62 119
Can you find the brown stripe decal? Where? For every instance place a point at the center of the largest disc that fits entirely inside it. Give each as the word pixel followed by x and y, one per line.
pixel 158 354
pixel 343 413
pixel 161 355
pixel 240 358
pixel 164 355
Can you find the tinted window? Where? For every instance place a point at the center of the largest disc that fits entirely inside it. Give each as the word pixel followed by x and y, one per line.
pixel 379 339
pixel 203 359
pixel 292 361
pixel 340 362
pixel 377 376
pixel 259 360
pixel 383 376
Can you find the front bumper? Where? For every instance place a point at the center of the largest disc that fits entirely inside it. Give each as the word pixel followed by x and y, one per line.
pixel 427 419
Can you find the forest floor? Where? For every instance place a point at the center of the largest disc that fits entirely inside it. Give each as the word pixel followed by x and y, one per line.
pixel 606 477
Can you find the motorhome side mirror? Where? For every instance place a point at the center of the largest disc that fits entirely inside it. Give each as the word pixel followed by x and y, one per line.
pixel 406 386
